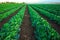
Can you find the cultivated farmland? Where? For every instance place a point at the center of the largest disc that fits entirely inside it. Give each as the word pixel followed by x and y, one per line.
pixel 20 21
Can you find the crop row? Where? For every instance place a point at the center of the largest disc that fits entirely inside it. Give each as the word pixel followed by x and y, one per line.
pixel 50 10
pixel 8 6
pixel 5 15
pixel 11 29
pixel 48 15
pixel 43 30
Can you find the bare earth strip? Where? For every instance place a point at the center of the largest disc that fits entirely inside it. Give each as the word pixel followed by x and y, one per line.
pixel 26 28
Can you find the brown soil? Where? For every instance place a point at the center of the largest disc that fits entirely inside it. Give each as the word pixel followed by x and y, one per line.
pixel 9 17
pixel 26 28
pixel 52 23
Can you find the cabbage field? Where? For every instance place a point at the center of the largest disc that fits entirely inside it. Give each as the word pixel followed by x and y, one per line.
pixel 20 21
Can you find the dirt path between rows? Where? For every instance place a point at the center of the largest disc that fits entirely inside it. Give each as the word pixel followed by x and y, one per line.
pixel 9 17
pixel 52 23
pixel 26 28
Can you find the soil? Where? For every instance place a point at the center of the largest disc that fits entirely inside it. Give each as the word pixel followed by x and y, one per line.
pixel 26 28
pixel 9 17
